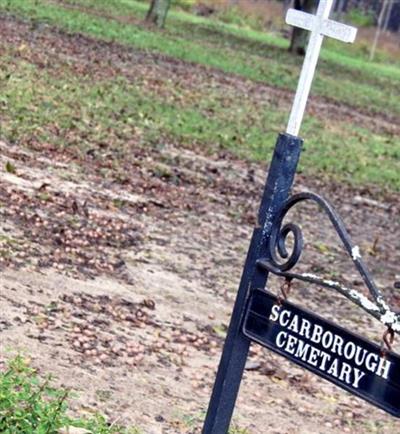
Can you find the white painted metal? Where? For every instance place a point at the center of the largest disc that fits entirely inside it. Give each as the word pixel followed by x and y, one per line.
pixel 320 26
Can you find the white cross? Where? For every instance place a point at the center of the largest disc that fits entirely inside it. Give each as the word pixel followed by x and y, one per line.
pixel 319 25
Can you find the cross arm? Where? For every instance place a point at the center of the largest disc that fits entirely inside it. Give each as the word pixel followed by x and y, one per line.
pixel 325 27
pixel 300 19
pixel 339 31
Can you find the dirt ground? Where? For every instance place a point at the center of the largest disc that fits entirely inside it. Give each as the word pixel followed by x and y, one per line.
pixel 123 291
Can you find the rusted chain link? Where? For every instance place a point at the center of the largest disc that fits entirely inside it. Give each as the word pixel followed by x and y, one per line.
pixel 387 341
pixel 285 290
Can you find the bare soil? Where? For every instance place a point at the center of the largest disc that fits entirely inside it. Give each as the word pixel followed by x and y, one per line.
pixel 123 289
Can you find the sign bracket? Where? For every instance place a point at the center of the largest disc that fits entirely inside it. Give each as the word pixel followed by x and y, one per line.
pixel 378 308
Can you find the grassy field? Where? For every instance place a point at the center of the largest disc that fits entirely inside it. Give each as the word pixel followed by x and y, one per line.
pixel 72 111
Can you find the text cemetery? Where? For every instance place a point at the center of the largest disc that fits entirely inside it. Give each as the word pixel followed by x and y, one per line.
pixel 333 344
pixel 324 348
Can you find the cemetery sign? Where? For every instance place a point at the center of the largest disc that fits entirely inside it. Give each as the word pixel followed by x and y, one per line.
pixel 328 350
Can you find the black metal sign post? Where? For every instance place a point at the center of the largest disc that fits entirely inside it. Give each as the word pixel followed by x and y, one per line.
pixel 374 378
pixel 277 189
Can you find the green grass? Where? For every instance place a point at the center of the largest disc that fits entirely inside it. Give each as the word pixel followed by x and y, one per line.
pixel 189 422
pixel 241 51
pixel 77 112
pixel 73 112
pixel 31 405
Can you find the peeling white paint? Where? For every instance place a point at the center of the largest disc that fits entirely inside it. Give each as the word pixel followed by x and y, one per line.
pixel 383 303
pixel 355 253
pixel 396 326
pixel 365 302
pixel 392 320
pixel 310 276
pixel 388 317
pixel 333 283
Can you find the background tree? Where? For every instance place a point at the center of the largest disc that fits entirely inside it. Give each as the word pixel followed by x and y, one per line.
pixel 158 12
pixel 300 36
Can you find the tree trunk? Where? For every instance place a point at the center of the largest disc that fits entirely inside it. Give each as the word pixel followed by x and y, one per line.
pixel 158 12
pixel 300 36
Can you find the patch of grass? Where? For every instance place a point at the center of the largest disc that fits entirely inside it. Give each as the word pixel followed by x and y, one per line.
pixel 114 114
pixel 30 404
pixel 235 429
pixel 233 15
pixel 56 106
pixel 361 18
pixel 258 56
pixel 192 421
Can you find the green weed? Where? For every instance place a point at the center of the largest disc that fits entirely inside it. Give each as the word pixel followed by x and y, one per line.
pixel 191 421
pixel 31 405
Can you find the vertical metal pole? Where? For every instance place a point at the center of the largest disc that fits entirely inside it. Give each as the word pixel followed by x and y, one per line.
pixel 378 29
pixel 388 15
pixel 230 371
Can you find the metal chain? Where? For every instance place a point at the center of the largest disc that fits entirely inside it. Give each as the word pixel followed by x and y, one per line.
pixel 285 290
pixel 387 341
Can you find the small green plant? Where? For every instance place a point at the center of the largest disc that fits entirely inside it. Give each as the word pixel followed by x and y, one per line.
pixel 30 405
pixel 10 168
pixel 237 430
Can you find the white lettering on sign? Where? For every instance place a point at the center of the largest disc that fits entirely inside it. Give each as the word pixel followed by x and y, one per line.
pixel 291 342
pixel 383 368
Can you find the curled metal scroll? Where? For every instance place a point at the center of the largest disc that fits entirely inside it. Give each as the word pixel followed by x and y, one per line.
pixel 280 261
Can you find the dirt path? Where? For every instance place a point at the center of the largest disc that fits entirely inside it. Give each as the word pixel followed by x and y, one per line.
pixel 123 289
pixel 145 320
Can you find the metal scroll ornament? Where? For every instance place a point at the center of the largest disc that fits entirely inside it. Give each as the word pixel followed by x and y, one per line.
pixel 280 261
